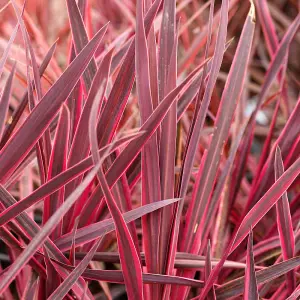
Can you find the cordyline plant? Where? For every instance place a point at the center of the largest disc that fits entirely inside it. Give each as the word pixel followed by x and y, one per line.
pixel 152 152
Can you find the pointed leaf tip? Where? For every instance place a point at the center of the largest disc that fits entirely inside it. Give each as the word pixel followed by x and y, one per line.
pixel 252 11
pixel 250 292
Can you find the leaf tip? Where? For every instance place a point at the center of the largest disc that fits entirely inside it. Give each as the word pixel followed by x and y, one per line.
pixel 252 11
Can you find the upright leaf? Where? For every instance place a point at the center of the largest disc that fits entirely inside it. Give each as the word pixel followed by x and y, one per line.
pixel 80 39
pixel 208 267
pixel 7 49
pixel 250 291
pixel 57 164
pixel 150 160
pixel 4 99
pixel 80 145
pixel 119 94
pixel 130 263
pixel 24 101
pixel 284 223
pixel 231 94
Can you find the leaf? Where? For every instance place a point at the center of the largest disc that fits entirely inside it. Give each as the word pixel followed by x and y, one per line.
pixel 227 171
pixel 67 284
pixel 57 164
pixel 12 242
pixel 4 100
pixel 80 39
pixel 42 235
pixel 167 79
pixel 199 118
pixel 186 98
pixel 7 49
pixel 19 111
pixel 131 151
pixel 295 295
pixel 250 291
pixel 129 258
pixel 208 267
pixel 206 181
pixel 55 281
pixel 182 260
pixel 284 223
pixel 269 31
pixel 27 229
pixel 28 47
pixel 266 202
pixel 56 183
pixel 120 91
pixel 91 232
pixel 258 211
pixel 31 293
pixel 150 171
pixel 236 287
pixel 39 119
pixel 276 64
pixel 231 94
pixel 268 26
pixel 200 40
pixel 80 144
pixel 232 91
pixel 117 277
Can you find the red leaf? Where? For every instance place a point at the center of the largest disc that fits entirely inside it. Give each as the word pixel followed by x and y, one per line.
pixel 19 111
pixel 42 235
pixel 129 258
pixel 91 232
pixel 284 223
pixel 236 287
pixel 39 119
pixel 151 223
pixel 80 39
pixel 69 281
pixel 57 165
pixel 4 100
pixel 250 291
pixel 6 51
